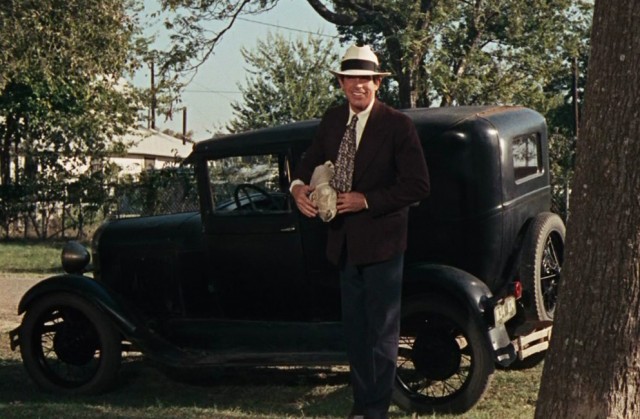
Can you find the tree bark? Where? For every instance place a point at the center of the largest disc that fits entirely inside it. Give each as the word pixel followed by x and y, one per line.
pixel 592 369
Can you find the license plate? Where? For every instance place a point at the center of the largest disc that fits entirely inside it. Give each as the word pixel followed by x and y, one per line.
pixel 504 310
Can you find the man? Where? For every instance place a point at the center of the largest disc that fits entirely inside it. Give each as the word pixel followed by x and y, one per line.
pixel 379 171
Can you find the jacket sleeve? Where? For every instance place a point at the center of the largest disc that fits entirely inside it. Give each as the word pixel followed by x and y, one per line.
pixel 411 182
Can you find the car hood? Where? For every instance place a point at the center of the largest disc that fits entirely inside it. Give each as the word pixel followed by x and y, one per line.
pixel 183 230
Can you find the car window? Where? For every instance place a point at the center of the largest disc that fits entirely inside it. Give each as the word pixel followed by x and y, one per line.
pixel 247 183
pixel 163 191
pixel 527 159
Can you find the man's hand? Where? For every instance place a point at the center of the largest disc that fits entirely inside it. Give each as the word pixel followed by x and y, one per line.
pixel 300 194
pixel 351 202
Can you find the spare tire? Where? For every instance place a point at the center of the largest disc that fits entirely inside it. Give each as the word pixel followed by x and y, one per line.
pixel 540 265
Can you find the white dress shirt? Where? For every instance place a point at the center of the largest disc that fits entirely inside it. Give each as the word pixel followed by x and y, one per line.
pixel 363 117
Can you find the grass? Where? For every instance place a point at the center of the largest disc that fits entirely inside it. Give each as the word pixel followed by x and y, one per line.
pixel 144 392
pixel 30 256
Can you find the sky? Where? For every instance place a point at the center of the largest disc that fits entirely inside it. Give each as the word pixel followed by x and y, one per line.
pixel 209 95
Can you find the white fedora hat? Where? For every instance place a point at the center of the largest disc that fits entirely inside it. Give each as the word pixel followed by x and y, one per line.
pixel 359 61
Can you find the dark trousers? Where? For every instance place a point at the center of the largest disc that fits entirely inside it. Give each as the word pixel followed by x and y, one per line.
pixel 371 316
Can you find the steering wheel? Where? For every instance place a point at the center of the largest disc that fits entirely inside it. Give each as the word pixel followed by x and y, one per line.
pixel 244 188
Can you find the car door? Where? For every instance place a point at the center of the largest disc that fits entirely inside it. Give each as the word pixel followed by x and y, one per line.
pixel 257 268
pixel 322 276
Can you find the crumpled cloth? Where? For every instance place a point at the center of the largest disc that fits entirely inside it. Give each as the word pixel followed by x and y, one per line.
pixel 324 196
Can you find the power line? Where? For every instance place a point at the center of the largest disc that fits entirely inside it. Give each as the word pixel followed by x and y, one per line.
pixel 287 28
pixel 213 91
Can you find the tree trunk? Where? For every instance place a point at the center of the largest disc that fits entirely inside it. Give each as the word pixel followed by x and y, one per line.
pixel 592 369
pixel 404 77
pixel 5 152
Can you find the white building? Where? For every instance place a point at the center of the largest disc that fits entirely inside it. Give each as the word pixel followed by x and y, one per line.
pixel 151 149
pixel 145 149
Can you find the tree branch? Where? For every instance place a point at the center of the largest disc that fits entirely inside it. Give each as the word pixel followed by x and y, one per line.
pixel 362 14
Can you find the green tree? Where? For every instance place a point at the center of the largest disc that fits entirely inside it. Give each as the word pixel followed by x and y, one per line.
pixel 288 81
pixel 192 38
pixel 441 52
pixel 62 106
pixel 460 53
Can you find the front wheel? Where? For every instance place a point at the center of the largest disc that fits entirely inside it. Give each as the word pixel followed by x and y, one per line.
pixel 69 346
pixel 444 362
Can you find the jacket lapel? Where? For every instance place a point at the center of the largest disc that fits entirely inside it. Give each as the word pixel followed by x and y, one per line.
pixel 338 128
pixel 372 139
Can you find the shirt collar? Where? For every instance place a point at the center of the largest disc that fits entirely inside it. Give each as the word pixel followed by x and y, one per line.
pixel 362 116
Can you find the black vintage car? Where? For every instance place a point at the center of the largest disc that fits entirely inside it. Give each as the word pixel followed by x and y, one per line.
pixel 245 281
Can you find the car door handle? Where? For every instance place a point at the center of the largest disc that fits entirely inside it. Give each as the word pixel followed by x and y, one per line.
pixel 290 228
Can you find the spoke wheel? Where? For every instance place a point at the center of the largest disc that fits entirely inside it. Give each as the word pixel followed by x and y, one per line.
pixel 542 258
pixel 69 346
pixel 444 364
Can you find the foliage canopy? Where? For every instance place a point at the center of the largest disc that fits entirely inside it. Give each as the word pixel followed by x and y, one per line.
pixel 288 82
pixel 62 105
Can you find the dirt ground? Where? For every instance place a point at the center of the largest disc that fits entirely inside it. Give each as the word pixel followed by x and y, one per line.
pixel 12 288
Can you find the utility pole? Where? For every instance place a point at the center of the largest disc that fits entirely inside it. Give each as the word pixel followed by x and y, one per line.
pixel 153 96
pixel 576 109
pixel 184 125
pixel 576 125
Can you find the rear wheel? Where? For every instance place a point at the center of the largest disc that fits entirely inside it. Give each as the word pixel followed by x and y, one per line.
pixel 444 363
pixel 542 257
pixel 69 346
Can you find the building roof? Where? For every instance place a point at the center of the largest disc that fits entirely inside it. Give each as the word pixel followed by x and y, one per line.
pixel 153 143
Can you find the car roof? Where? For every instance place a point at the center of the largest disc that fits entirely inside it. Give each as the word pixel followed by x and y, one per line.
pixel 268 139
pixel 255 141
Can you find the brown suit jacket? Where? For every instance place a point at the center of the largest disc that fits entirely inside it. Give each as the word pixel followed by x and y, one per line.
pixel 390 170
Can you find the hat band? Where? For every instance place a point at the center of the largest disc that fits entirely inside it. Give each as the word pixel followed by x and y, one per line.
pixel 358 65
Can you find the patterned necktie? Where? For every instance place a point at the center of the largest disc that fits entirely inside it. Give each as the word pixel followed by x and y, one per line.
pixel 341 181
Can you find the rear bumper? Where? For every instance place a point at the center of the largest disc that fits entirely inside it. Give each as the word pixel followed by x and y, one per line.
pixel 504 351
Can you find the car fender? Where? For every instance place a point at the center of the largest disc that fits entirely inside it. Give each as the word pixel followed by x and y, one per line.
pixel 124 318
pixel 89 289
pixel 469 291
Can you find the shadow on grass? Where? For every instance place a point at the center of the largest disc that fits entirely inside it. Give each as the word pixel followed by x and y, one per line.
pixel 144 391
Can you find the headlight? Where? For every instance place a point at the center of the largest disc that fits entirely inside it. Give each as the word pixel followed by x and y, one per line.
pixel 75 257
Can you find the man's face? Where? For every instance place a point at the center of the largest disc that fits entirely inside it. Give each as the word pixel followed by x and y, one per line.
pixel 360 90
